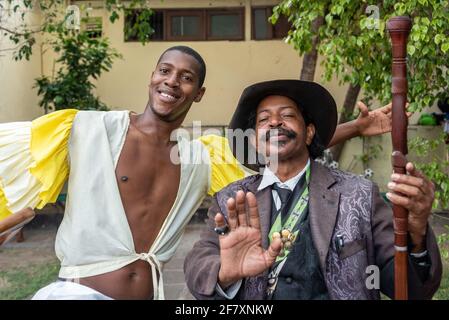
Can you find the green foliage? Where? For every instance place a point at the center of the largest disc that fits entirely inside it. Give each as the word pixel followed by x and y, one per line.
pixel 356 49
pixel 436 170
pixel 81 60
pixel 371 152
pixel 15 26
pixel 139 26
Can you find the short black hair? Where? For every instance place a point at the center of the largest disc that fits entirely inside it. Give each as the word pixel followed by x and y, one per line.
pixel 192 53
pixel 315 148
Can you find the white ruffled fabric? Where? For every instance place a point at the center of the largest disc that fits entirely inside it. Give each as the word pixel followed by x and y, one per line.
pixel 20 187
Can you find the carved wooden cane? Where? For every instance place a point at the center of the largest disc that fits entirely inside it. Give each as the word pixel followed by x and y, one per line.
pixel 399 29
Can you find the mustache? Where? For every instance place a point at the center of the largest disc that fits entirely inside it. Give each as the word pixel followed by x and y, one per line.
pixel 280 131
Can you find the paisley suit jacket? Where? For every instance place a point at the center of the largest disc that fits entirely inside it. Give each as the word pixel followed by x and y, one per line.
pixel 339 204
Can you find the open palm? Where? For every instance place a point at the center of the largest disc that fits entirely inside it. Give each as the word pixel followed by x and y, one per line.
pixel 375 122
pixel 241 251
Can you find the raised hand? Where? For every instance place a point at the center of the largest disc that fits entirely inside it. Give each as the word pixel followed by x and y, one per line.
pixel 378 121
pixel 241 251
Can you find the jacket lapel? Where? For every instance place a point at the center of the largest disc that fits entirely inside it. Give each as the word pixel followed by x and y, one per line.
pixel 323 210
pixel 264 200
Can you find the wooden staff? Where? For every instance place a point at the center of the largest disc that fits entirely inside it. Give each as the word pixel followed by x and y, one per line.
pixel 399 29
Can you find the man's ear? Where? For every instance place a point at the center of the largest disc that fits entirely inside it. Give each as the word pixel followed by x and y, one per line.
pixel 200 94
pixel 310 133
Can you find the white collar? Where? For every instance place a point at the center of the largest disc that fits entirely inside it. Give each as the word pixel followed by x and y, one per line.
pixel 270 178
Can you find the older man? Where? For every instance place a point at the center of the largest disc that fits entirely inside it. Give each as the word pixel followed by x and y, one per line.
pixel 300 230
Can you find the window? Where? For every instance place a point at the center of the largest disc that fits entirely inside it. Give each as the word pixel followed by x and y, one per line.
pixel 92 26
pixel 225 24
pixel 188 25
pixel 262 29
pixel 185 25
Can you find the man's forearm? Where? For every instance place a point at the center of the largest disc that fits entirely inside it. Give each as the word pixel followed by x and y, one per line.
pixel 343 132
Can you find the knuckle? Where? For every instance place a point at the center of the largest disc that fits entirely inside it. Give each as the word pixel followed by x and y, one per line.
pixel 407 202
pixel 421 183
pixel 416 192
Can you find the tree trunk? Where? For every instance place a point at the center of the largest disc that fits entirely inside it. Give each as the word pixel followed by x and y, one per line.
pixel 348 108
pixel 311 57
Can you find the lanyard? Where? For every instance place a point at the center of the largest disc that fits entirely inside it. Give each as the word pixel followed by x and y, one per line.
pixel 286 234
pixel 285 231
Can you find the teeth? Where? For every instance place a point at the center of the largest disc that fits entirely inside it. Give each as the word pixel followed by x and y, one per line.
pixel 165 95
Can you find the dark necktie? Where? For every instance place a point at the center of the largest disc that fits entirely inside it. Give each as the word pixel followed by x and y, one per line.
pixel 284 195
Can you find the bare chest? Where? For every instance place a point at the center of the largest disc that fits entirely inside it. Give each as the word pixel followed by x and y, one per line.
pixel 148 182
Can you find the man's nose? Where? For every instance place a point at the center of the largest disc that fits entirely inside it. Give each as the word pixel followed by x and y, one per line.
pixel 172 81
pixel 276 122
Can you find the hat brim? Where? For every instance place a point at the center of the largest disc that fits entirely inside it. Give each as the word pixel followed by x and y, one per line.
pixel 311 98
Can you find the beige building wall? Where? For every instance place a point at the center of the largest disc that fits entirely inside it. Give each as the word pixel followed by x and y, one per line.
pixel 18 99
pixel 231 65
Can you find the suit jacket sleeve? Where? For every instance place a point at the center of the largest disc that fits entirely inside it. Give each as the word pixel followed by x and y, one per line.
pixel 383 238
pixel 202 263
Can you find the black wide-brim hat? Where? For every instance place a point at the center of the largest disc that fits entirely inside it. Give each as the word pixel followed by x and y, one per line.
pixel 312 99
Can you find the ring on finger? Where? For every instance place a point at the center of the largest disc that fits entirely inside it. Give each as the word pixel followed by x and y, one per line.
pixel 222 230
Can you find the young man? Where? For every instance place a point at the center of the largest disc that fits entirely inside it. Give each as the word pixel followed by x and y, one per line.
pixel 129 199
pixel 300 230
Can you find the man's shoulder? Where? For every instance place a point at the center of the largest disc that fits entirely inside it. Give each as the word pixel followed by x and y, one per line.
pixel 351 184
pixel 246 184
pixel 111 119
pixel 249 183
pixel 102 114
pixel 347 180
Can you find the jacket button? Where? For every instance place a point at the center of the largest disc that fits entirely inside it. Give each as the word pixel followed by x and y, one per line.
pixel 288 280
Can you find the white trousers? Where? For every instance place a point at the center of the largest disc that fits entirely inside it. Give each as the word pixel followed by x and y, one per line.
pixel 65 290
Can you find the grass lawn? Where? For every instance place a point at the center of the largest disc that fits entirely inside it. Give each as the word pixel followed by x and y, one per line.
pixel 23 282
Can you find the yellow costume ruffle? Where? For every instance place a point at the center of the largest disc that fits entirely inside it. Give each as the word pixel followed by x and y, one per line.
pixel 33 161
pixel 225 168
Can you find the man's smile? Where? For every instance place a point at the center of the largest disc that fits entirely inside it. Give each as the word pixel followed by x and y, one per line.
pixel 168 96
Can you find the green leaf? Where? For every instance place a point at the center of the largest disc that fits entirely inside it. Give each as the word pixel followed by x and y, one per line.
pixel 114 16
pixel 445 47
pixel 439 38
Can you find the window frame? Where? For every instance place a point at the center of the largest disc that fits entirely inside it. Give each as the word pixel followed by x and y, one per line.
pixel 253 23
pixel 170 13
pixel 225 11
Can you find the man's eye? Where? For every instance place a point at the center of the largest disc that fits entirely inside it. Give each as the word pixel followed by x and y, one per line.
pixel 263 120
pixel 187 78
pixel 163 70
pixel 288 115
